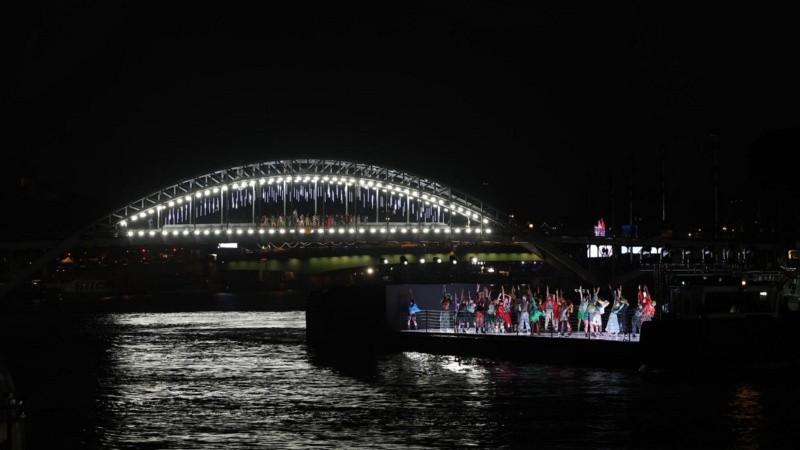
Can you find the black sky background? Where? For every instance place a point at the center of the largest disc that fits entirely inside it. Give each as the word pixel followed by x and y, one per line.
pixel 545 111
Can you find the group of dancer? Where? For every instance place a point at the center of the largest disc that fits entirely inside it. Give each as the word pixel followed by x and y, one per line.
pixel 529 312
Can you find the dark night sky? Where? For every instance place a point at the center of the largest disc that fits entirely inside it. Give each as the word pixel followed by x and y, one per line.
pixel 538 109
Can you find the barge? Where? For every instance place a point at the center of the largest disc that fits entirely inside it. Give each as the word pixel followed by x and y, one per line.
pixel 745 320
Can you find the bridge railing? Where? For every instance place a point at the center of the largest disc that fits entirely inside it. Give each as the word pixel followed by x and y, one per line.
pixel 362 232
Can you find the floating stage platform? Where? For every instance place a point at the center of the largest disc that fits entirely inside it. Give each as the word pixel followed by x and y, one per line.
pixel 362 320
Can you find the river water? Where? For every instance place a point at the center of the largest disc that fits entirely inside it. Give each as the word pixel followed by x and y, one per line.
pixel 245 379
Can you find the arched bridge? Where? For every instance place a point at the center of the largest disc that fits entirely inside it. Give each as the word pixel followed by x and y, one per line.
pixel 312 198
pixel 304 202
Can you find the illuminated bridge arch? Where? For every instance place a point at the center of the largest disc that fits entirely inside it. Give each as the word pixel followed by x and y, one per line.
pixel 315 198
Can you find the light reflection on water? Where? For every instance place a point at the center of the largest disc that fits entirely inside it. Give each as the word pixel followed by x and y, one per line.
pixel 236 380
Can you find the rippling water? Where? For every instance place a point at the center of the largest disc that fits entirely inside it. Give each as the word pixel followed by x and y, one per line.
pixel 246 380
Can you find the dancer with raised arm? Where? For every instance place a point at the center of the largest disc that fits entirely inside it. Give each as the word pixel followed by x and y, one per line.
pixel 536 312
pixel 599 308
pixel 413 309
pixel 549 309
pixel 564 311
pixel 444 315
pixel 612 326
pixel 582 307
pixel 524 315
